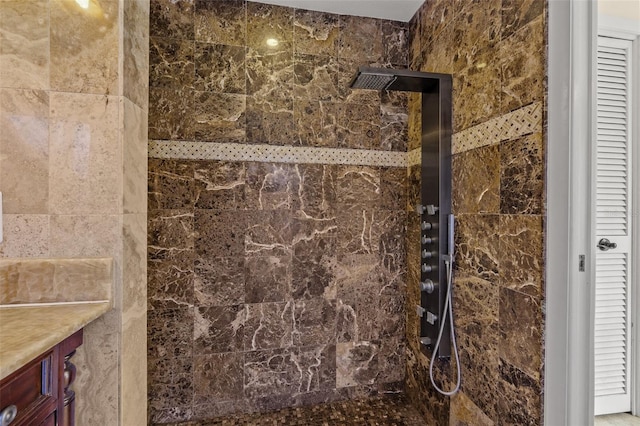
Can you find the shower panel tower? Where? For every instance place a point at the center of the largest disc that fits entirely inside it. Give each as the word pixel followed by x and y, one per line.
pixel 436 222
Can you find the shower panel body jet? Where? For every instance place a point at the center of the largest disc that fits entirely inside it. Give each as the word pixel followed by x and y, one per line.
pixel 435 206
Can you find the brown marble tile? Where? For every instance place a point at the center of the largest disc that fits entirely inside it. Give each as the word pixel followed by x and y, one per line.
pixel 465 412
pixel 217 377
pixel 433 408
pixel 317 123
pixel 357 232
pixel 170 280
pixel 171 184
pixel 516 14
pixel 268 325
pixel 522 175
pixel 316 77
pixel 437 56
pixel 394 121
pixel 218 329
pixel 221 21
pixel 267 279
pixel 393 188
pixel 359 126
pixel 171 63
pixel 319 367
pixel 521 253
pixel 220 185
pixel 219 281
pixel 270 76
pixel 522 62
pixel 358 187
pixel 357 363
pixel 265 21
pixel 220 68
pixel 269 233
pixel 414 121
pixel 395 41
pixel 172 18
pixel 271 372
pixel 272 186
pixel 476 91
pixel 267 123
pixel 170 332
pixel 393 253
pixel 392 360
pixel 476 181
pixel 477 246
pixel 521 331
pixel 477 29
pixel 314 322
pixel 219 117
pixel 171 114
pixel 415 43
pixel 435 17
pixel 220 233
pixel 170 229
pixel 316 33
pixel 476 316
pixel 361 39
pixel 317 189
pixel 314 267
pixel 520 397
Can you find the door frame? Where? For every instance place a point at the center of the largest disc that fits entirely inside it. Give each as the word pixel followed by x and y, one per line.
pixel 570 292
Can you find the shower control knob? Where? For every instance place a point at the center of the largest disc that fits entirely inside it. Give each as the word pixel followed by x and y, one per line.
pixel 426 341
pixel 427 240
pixel 431 209
pixel 427 286
pixel 426 254
pixel 426 268
pixel 420 209
pixel 426 226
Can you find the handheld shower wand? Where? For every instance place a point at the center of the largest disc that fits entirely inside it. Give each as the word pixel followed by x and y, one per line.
pixel 448 310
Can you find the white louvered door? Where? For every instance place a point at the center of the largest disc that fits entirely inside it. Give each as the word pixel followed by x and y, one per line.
pixel 613 222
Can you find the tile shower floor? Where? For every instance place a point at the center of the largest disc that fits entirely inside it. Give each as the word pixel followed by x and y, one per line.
pixel 391 410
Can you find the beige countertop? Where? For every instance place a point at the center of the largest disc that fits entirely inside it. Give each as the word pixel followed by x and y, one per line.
pixel 27 331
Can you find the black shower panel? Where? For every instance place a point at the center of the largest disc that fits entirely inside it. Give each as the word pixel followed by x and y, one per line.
pixel 435 205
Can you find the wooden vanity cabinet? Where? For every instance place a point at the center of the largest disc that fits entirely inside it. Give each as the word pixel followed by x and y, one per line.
pixel 39 391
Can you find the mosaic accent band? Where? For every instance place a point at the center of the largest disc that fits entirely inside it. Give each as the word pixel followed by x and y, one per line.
pixel 523 121
pixel 274 154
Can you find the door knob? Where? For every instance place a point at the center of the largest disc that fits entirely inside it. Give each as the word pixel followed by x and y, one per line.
pixel 604 244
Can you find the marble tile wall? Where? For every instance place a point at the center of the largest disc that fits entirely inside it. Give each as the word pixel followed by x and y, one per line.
pixel 73 148
pixel 273 282
pixel 495 51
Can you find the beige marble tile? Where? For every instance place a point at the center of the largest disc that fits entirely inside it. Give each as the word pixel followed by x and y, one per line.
pixel 134 266
pixel 25 235
pixel 84 60
pixel 24 150
pixel 86 177
pixel 55 280
pixel 86 236
pixel 24 45
pixel 134 145
pixel 135 67
pixel 133 371
pixel 96 385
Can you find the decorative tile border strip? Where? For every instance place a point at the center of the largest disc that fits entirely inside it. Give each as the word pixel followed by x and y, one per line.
pixel 520 122
pixel 274 154
pixel 414 157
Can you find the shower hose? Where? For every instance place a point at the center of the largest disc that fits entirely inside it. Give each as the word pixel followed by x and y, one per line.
pixel 448 310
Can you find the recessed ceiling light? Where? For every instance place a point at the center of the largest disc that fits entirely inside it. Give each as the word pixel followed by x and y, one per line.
pixel 272 42
pixel 83 3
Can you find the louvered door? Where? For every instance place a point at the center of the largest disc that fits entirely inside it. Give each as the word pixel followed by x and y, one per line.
pixel 613 222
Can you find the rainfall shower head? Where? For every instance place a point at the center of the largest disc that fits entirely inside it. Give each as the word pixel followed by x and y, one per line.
pixel 392 79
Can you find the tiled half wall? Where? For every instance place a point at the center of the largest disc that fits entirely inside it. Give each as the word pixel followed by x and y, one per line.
pixel 277 210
